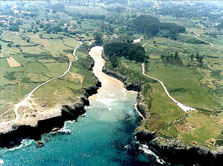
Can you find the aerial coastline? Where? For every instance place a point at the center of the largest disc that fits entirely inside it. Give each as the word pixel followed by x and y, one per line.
pixel 83 81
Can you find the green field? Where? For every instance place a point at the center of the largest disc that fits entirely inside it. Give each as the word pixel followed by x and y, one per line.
pixel 42 56
pixel 44 44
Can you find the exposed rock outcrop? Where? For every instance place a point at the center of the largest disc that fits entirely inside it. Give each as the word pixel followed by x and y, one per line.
pixel 173 152
pixel 177 154
pixel 18 133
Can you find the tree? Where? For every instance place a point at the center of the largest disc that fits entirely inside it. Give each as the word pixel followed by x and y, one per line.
pixel 176 56
pixel 14 27
pixel 146 62
pixel 192 57
pixel 200 60
pixel 98 38
pixel 114 60
pixel 197 56
pixel 162 57
pixel 172 59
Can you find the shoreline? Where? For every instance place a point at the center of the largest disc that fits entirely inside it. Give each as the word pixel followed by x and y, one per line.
pixel 172 152
pixel 14 137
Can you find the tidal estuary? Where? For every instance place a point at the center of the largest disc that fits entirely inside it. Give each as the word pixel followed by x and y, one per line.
pixel 104 136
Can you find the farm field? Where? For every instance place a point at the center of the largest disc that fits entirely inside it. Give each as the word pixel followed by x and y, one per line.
pixel 29 59
pixel 41 48
pixel 195 85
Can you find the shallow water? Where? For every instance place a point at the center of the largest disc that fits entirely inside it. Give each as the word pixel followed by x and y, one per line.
pixel 103 137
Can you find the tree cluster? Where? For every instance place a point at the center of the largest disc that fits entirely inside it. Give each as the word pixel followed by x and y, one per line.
pixel 199 58
pixel 93 17
pixel 51 28
pixel 14 27
pixel 172 59
pixel 127 50
pixel 151 26
pixel 98 38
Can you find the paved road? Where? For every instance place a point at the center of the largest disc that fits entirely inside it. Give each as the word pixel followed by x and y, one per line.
pixel 24 102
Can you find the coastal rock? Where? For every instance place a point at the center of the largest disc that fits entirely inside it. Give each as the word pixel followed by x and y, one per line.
pixel 135 87
pixel 141 108
pixel 173 152
pixel 176 154
pixel 39 144
pixel 19 132
pixel 115 74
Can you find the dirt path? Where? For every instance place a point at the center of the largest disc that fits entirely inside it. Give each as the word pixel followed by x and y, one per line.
pixel 197 36
pixel 180 105
pixel 24 102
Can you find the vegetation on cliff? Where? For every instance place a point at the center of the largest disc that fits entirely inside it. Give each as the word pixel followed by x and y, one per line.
pixel 115 50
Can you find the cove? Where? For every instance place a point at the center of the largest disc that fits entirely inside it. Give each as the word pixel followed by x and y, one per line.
pixel 104 136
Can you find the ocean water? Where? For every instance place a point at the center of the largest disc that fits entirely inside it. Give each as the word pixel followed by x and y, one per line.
pixel 104 136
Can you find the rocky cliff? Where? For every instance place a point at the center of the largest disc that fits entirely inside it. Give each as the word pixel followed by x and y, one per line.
pixel 173 152
pixel 15 136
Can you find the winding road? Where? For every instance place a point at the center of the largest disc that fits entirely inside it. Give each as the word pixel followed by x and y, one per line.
pixel 197 36
pixel 24 102
pixel 180 105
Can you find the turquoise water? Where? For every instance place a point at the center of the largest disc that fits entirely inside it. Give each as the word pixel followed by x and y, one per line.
pixel 105 136
pixel 99 138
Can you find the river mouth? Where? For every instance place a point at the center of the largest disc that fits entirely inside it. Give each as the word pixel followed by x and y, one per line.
pixel 105 136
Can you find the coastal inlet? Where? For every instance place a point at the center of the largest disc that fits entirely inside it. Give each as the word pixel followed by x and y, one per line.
pixel 104 136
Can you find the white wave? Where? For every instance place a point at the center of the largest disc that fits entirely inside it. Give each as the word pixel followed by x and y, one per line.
pixel 83 115
pixel 147 151
pixel 16 148
pixel 65 130
pixel 109 109
pixel 111 94
pixel 24 142
pixel 106 101
pixel 71 121
pixel 126 146
pixel 27 142
pixel 1 162
pixel 139 113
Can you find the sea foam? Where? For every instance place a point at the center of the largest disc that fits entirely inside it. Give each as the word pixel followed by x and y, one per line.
pixel 1 162
pixel 147 151
pixel 106 101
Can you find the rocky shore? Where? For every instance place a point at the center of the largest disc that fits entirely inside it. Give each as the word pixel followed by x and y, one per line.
pixel 172 151
pixel 175 153
pixel 19 132
pixel 129 86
